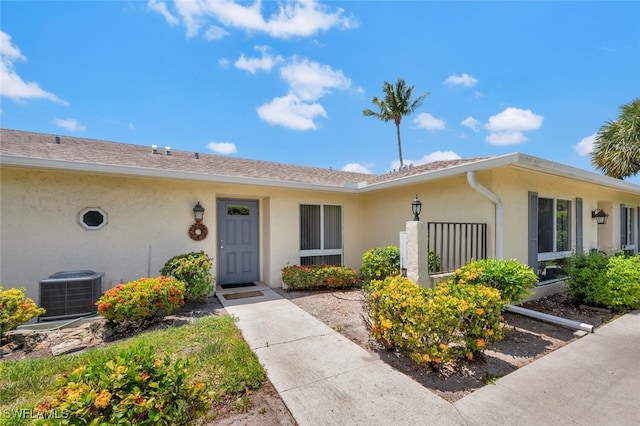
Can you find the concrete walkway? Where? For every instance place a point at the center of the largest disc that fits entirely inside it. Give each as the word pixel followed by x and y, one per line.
pixel 325 379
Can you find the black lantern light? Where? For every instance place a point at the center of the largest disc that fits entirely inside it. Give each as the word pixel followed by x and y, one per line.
pixel 416 207
pixel 600 216
pixel 198 212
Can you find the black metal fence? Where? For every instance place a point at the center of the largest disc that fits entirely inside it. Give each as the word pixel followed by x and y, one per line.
pixel 452 245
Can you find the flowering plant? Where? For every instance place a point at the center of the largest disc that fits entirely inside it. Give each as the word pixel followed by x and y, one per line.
pixel 434 325
pixel 318 276
pixel 194 269
pixel 136 387
pixel 15 309
pixel 142 299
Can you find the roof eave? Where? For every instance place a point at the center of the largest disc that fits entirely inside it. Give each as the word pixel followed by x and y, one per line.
pixel 120 170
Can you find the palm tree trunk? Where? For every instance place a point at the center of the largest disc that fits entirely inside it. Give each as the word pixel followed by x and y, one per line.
pixel 399 145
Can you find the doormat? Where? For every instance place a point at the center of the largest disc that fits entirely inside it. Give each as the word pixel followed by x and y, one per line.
pixel 245 295
pixel 251 284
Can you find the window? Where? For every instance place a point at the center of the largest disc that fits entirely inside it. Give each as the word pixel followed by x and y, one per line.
pixel 553 225
pixel 550 239
pixel 320 234
pixel 92 218
pixel 628 229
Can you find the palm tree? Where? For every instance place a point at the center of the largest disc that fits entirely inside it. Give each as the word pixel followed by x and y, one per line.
pixel 395 105
pixel 616 151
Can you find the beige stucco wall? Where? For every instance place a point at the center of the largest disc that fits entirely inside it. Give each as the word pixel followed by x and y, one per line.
pixel 446 200
pixel 148 221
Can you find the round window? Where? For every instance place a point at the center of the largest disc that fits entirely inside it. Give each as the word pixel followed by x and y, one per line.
pixel 93 218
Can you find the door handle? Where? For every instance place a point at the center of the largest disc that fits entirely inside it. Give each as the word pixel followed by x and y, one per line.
pixel 221 244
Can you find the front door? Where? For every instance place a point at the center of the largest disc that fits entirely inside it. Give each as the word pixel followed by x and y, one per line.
pixel 238 242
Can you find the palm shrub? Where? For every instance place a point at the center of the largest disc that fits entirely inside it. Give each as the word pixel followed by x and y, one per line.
pixel 194 269
pixel 513 279
pixel 379 263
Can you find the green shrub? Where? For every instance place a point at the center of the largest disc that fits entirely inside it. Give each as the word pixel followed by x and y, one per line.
pixel 140 300
pixel 587 275
pixel 136 387
pixel 434 326
pixel 609 281
pixel 434 262
pixel 194 269
pixel 318 276
pixel 379 263
pixel 15 309
pixel 511 278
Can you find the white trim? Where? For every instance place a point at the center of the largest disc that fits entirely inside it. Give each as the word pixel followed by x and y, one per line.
pixel 553 255
pixel 515 159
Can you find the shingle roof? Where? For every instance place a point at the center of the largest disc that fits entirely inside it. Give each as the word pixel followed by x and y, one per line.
pixel 18 143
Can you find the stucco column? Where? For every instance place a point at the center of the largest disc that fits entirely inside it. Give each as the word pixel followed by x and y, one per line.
pixel 417 253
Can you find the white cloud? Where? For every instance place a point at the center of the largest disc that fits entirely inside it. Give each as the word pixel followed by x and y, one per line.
pixel 222 147
pixel 310 80
pixel 585 146
pixel 264 63
pixel 429 158
pixel 70 124
pixel 224 63
pixel 215 33
pixel 293 18
pixel 427 121
pixel 506 127
pixel 11 84
pixel 161 8
pixel 290 111
pixel 461 80
pixel 514 119
pixel 357 168
pixel 506 138
pixel 471 123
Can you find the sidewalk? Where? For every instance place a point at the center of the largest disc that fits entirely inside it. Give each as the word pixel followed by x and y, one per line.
pixel 325 379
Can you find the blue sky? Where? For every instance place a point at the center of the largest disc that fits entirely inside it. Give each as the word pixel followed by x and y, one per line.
pixel 287 81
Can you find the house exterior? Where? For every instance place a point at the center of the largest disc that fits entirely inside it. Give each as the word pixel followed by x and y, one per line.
pixel 123 210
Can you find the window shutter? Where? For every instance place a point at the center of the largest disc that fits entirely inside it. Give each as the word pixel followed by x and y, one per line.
pixel 579 218
pixel 623 225
pixel 638 231
pixel 533 231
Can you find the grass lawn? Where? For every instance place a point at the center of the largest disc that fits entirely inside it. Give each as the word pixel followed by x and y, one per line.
pixel 218 356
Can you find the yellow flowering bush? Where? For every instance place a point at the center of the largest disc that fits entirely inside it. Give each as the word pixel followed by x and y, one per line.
pixel 434 325
pixel 135 388
pixel 15 309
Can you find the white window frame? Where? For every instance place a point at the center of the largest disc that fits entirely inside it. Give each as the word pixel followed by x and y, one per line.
pixel 322 251
pixel 552 255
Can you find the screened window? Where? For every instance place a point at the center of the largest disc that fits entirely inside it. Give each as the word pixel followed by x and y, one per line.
pixel 628 230
pixel 320 234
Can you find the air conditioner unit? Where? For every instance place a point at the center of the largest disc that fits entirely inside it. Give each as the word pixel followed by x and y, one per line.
pixel 70 294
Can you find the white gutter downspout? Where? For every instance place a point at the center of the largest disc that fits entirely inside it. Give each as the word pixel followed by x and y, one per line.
pixel 471 178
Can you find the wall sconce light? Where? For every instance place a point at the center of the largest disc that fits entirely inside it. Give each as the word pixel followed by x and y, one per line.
pixel 416 207
pixel 198 212
pixel 198 230
pixel 600 216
